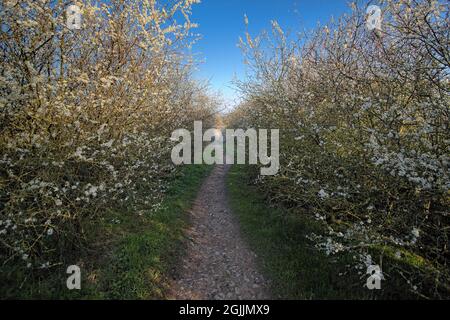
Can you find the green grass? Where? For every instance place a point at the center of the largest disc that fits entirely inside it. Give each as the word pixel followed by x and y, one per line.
pixel 296 269
pixel 130 256
pixel 150 249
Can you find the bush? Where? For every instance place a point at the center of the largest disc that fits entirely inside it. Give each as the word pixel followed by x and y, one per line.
pixel 363 119
pixel 86 116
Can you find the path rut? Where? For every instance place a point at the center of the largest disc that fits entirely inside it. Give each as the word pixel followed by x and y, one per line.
pixel 218 263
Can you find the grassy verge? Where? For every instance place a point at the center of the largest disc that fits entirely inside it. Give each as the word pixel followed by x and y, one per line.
pixel 149 249
pixel 130 256
pixel 296 269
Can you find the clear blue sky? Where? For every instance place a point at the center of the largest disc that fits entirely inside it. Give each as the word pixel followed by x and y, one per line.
pixel 222 22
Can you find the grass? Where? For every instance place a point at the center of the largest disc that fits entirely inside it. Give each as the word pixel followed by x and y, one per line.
pixel 130 256
pixel 296 269
pixel 143 260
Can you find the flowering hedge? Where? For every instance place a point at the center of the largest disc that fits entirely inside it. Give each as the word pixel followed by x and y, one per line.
pixel 364 133
pixel 86 117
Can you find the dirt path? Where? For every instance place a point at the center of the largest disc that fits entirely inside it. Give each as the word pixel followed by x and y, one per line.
pixel 218 264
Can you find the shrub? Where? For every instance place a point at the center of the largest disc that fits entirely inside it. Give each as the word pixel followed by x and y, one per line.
pixel 364 127
pixel 86 117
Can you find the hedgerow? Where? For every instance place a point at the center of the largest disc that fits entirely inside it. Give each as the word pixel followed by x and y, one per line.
pixel 364 134
pixel 86 117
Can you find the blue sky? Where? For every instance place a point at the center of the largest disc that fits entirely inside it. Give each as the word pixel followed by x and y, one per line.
pixel 222 22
